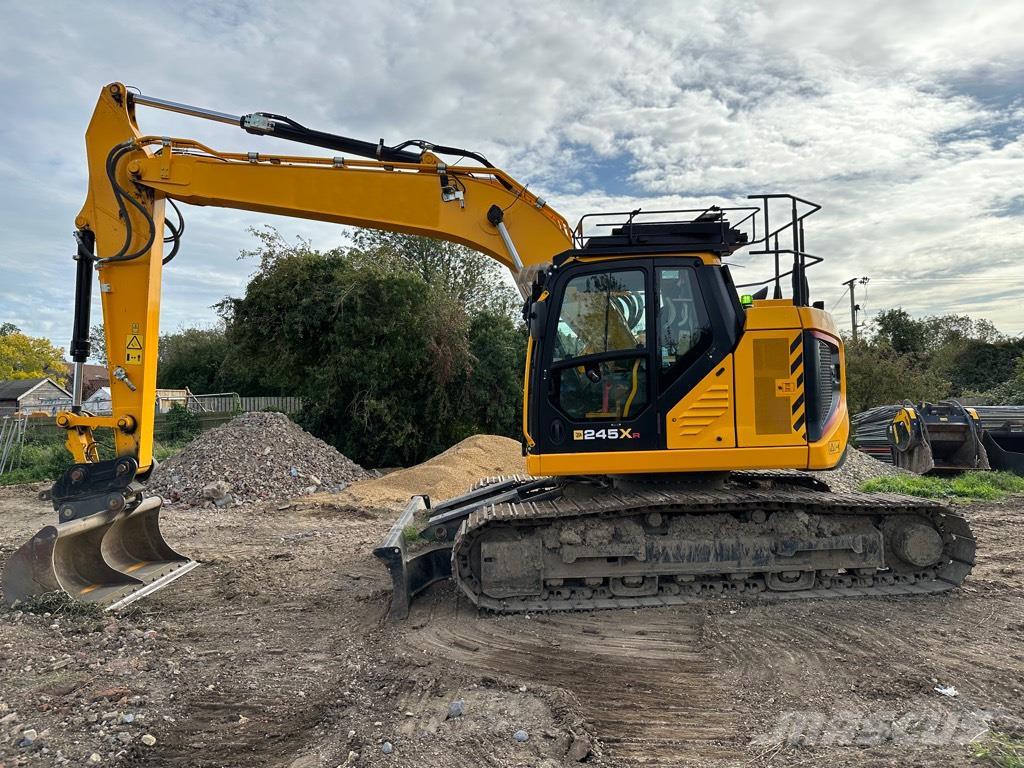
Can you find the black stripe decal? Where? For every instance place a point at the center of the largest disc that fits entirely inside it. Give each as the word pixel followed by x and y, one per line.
pixel 796 364
pixel 799 402
pixel 800 380
pixel 799 424
pixel 794 345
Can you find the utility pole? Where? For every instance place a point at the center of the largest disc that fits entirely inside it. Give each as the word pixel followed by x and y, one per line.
pixel 854 306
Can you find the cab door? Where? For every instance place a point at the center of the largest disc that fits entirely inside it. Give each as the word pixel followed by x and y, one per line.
pixel 595 389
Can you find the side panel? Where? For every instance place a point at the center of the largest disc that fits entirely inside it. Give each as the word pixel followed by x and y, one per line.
pixel 770 389
pixel 705 460
pixel 706 417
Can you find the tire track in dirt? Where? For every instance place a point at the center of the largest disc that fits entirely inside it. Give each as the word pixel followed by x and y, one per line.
pixel 645 685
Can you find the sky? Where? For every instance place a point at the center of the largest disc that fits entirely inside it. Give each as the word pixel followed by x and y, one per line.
pixel 905 121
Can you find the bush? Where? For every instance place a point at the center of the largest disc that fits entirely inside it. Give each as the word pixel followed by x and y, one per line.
pixel 181 424
pixel 391 369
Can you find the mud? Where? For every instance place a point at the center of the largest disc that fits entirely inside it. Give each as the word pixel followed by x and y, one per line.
pixel 276 653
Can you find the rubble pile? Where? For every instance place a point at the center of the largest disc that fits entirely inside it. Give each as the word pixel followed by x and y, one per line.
pixel 254 457
pixel 857 468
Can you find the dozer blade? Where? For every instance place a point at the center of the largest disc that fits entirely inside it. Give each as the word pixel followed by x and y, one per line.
pixel 109 558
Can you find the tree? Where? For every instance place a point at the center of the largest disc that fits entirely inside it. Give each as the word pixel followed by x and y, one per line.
pixel 876 374
pixel 897 330
pixel 391 368
pixel 27 357
pixel 6 329
pixel 464 276
pixel 98 344
pixel 195 358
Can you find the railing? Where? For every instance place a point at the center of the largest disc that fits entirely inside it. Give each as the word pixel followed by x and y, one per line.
pixel 231 402
pixel 12 440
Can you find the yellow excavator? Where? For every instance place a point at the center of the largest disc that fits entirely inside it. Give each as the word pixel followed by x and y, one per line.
pixel 664 413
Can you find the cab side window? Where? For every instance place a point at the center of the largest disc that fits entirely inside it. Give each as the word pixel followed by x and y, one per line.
pixel 684 330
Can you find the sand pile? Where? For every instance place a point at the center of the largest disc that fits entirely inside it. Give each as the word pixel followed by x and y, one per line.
pixel 254 457
pixel 447 474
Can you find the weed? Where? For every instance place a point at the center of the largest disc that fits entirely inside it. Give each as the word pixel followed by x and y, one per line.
pixel 59 603
pixel 1004 750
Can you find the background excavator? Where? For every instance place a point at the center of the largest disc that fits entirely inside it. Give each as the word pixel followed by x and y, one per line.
pixel 663 412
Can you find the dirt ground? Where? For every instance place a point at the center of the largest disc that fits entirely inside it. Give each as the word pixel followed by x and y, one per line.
pixel 277 652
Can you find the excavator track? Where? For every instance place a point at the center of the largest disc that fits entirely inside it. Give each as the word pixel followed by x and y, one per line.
pixel 640 548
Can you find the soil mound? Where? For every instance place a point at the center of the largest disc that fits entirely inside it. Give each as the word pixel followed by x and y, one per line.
pixel 254 457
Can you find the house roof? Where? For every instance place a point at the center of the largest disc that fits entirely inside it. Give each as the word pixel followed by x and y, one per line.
pixel 103 393
pixel 89 371
pixel 13 390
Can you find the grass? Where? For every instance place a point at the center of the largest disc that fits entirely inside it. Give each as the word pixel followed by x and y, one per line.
pixel 1002 749
pixel 410 534
pixel 45 457
pixel 970 485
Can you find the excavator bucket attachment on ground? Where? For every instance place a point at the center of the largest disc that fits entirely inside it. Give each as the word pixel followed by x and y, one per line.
pixel 1003 436
pixel 110 558
pixel 930 438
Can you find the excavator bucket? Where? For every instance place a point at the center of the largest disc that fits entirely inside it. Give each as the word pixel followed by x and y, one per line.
pixel 1004 436
pixel 110 558
pixel 926 438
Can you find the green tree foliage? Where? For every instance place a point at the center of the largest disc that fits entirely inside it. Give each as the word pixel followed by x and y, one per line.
pixel 6 329
pixel 181 424
pixel 471 279
pixel 876 375
pixel 98 344
pixel 930 358
pixel 28 357
pixel 195 358
pixel 393 363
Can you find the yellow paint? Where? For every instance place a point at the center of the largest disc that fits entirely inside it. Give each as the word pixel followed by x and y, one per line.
pixel 133 568
pixel 633 390
pixel 133 349
pixel 88 589
pixel 704 418
pixel 704 460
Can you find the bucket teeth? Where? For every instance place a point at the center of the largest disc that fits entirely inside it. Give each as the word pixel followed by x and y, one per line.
pixel 109 558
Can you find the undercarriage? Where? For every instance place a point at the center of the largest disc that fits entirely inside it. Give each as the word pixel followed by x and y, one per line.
pixel 517 544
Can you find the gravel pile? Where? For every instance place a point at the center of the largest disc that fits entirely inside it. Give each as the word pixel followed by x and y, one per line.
pixel 858 468
pixel 254 457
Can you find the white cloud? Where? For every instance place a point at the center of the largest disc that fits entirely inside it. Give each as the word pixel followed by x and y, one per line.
pixel 904 119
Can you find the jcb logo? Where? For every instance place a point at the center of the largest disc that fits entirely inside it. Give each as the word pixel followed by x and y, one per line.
pixel 833 446
pixel 613 433
pixel 785 386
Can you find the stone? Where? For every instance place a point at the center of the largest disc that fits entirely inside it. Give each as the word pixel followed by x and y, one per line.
pixel 456 708
pixel 148 739
pixel 387 748
pixel 95 758
pixel 217 490
pixel 521 736
pixel 579 749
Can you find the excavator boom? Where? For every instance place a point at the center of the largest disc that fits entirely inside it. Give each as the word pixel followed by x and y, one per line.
pixel 106 546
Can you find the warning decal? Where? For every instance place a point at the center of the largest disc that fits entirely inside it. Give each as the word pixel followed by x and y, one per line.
pixel 133 349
